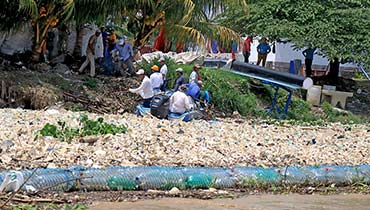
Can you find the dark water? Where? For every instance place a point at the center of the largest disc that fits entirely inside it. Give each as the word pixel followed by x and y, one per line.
pixel 265 202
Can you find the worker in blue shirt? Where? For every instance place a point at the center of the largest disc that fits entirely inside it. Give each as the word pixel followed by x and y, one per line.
pixel 308 55
pixel 126 55
pixel 263 49
pixel 194 89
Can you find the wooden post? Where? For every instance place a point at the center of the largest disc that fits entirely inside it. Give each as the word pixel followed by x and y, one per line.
pixel 3 89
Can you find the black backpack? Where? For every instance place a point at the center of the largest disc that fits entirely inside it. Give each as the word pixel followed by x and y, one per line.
pixel 159 106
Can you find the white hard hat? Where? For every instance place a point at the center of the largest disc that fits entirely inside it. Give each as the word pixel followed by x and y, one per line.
pixel 140 71
pixel 179 70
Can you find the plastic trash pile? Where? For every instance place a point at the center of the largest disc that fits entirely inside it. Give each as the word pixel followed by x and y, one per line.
pixel 150 141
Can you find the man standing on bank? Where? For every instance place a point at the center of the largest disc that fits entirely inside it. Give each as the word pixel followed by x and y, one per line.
pixel 308 55
pixel 90 54
pixel 263 50
pixel 247 48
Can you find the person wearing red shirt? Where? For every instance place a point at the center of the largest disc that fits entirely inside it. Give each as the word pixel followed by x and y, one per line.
pixel 247 48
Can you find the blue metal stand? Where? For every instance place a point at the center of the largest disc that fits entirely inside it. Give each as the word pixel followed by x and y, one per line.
pixel 274 108
pixel 364 72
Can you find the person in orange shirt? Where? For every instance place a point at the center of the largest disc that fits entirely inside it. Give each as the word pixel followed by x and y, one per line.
pixel 112 40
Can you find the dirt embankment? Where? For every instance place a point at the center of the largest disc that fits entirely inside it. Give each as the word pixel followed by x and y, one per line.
pixel 41 86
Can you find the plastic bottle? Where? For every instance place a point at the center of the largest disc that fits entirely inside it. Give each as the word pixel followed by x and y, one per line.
pixel 62 181
pixel 12 181
pixel 121 183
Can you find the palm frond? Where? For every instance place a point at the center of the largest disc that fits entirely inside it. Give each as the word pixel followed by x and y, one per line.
pixel 29 7
pixel 185 33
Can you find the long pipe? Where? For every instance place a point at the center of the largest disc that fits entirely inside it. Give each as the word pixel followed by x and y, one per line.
pixel 271 74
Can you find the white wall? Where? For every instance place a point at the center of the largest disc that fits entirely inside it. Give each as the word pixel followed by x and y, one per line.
pixel 285 53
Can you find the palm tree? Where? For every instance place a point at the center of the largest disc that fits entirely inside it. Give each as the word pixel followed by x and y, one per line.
pixel 43 15
pixel 183 19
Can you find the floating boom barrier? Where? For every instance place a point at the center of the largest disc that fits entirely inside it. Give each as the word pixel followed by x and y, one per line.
pixel 165 178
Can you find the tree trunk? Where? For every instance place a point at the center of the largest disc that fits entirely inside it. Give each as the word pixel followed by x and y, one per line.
pixel 78 46
pixel 36 53
pixel 143 36
pixel 334 70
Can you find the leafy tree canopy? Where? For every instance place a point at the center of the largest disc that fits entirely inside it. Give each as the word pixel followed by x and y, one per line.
pixel 184 19
pixel 340 28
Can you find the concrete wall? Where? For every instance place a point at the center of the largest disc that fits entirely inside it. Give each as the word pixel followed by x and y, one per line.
pixel 285 53
pixel 16 41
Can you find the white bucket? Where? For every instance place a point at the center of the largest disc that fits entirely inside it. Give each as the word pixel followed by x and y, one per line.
pixel 314 95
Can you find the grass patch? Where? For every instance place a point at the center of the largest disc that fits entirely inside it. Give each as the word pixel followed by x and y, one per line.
pixel 88 128
pixel 91 83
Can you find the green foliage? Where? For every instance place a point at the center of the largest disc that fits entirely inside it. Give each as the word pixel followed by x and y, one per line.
pixel 333 115
pixel 89 128
pixel 254 183
pixel 359 75
pixel 339 28
pixel 63 133
pixel 91 83
pixel 184 20
pixel 99 127
pixel 300 110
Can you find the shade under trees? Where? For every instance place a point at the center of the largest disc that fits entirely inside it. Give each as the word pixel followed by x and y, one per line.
pixel 340 28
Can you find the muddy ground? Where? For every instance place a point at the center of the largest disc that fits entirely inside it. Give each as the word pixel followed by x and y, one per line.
pixel 91 199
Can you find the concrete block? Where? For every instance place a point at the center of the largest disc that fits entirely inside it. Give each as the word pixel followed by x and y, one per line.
pixel 335 97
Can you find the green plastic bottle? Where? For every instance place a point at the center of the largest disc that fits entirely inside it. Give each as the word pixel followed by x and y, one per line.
pixel 121 183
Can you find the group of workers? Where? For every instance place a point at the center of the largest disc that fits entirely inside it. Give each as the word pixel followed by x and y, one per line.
pixel 122 50
pixel 183 94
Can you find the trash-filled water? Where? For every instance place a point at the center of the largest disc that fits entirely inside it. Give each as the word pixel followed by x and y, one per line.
pixel 150 141
pixel 255 202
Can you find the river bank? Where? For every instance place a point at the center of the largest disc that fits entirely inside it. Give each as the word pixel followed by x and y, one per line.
pixel 257 202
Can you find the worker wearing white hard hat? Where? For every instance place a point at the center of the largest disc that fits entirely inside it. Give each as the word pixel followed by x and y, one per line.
pixel 145 89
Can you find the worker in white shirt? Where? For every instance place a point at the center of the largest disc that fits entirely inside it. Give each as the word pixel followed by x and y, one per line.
pixel 194 76
pixel 156 79
pixel 179 101
pixel 145 90
pixel 163 71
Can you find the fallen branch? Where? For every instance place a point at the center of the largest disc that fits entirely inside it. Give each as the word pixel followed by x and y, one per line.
pixel 36 200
